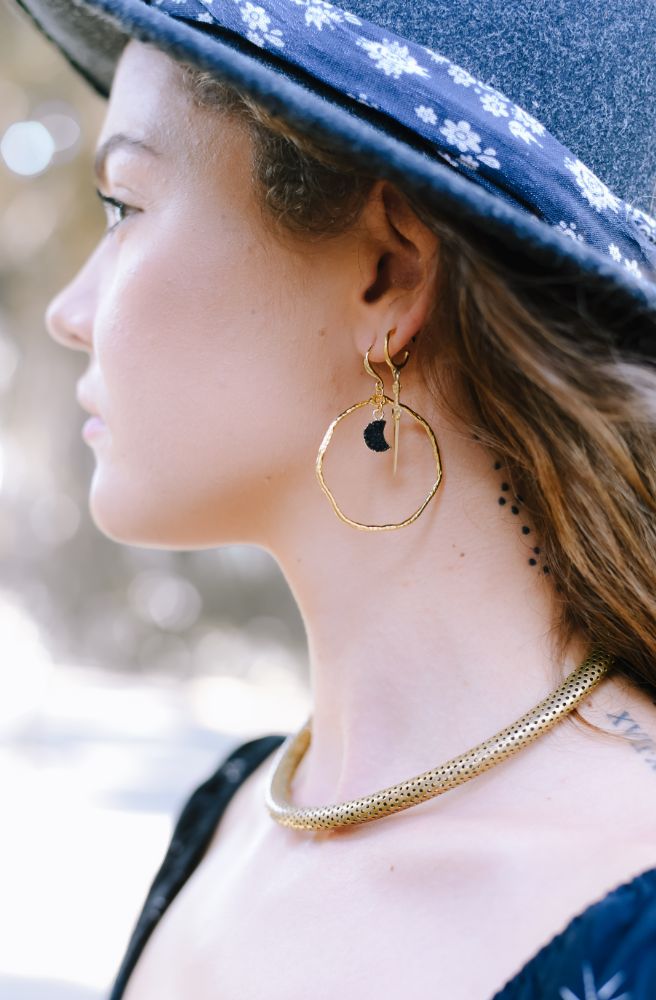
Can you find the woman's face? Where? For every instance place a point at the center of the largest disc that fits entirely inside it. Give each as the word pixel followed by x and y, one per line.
pixel 215 353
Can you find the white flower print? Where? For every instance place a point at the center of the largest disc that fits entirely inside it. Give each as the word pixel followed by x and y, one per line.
pixel 521 132
pixel 593 190
pixel 234 769
pixel 461 76
pixel 528 120
pixel 467 160
pixel 255 17
pixel 206 17
pixel 392 58
pixel 318 16
pixel 426 114
pixel 274 37
pixel 494 104
pixel 645 223
pixel 488 157
pixel 450 159
pixel 363 99
pixel 435 56
pixel 591 992
pixel 320 12
pixel 461 135
pixel 471 162
pixel 632 266
pixel 569 230
pixel 258 21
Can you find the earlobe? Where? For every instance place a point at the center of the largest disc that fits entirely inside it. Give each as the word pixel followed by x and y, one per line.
pixel 406 314
pixel 409 321
pixel 407 310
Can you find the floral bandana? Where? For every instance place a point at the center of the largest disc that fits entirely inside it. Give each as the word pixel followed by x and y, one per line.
pixel 470 126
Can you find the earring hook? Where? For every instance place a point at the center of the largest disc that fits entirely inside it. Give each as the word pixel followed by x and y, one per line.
pixel 369 369
pixel 387 354
pixel 367 362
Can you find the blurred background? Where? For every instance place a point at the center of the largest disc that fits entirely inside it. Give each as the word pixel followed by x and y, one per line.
pixel 126 674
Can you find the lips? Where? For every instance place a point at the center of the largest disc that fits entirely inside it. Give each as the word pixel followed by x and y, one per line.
pixel 86 401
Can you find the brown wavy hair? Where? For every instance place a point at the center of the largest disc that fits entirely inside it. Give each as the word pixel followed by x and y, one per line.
pixel 543 364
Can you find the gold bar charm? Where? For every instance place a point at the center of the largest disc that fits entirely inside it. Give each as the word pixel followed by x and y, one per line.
pixel 397 416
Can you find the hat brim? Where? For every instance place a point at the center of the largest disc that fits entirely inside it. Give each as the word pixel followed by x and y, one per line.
pixel 91 34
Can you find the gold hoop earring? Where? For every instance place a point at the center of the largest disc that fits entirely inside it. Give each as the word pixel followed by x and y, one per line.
pixel 374 436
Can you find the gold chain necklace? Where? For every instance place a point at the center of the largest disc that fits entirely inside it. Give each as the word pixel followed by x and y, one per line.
pixel 424 786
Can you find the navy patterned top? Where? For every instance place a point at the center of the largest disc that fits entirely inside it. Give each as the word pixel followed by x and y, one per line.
pixel 606 952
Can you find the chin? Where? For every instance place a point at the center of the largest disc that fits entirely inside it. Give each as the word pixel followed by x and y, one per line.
pixel 144 518
pixel 129 518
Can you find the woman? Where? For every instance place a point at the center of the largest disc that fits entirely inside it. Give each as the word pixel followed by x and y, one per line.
pixel 255 278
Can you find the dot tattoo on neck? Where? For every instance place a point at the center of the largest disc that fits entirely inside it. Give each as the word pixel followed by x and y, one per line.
pixel 515 510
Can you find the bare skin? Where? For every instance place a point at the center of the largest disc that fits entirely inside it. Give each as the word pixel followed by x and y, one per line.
pixel 218 356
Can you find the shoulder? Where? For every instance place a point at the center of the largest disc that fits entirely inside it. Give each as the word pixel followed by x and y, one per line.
pixel 199 815
pixel 200 812
pixel 619 940
pixel 608 951
pixel 192 832
pixel 213 794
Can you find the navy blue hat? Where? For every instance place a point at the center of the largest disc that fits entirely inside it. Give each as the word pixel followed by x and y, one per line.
pixel 531 122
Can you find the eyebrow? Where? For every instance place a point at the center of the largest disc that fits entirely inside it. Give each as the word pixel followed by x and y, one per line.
pixel 114 142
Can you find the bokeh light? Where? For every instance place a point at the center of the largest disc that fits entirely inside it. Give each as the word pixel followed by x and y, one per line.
pixel 55 518
pixel 27 147
pixel 165 599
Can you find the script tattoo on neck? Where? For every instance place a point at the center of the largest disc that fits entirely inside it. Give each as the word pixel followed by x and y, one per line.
pixel 642 742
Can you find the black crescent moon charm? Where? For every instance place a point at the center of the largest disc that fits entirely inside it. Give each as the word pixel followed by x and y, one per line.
pixel 373 436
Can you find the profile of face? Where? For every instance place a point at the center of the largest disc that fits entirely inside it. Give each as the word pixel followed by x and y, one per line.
pixel 217 354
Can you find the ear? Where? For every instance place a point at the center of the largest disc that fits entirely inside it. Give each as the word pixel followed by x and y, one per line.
pixel 398 267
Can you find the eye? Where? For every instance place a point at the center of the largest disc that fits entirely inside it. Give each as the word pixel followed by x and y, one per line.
pixel 113 203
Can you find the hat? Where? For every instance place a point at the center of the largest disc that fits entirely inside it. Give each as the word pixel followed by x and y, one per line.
pixel 530 123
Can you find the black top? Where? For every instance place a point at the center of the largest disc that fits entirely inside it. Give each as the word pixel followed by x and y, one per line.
pixel 606 952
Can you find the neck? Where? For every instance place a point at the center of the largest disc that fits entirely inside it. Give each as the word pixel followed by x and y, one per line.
pixel 424 640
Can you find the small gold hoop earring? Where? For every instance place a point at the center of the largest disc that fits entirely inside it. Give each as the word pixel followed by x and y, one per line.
pixel 374 436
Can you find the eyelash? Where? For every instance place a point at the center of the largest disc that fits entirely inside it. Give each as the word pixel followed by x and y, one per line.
pixel 120 205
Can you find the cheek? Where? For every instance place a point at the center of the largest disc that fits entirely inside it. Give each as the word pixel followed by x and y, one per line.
pixel 204 371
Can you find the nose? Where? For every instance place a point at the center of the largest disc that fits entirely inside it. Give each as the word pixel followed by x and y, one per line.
pixel 69 315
